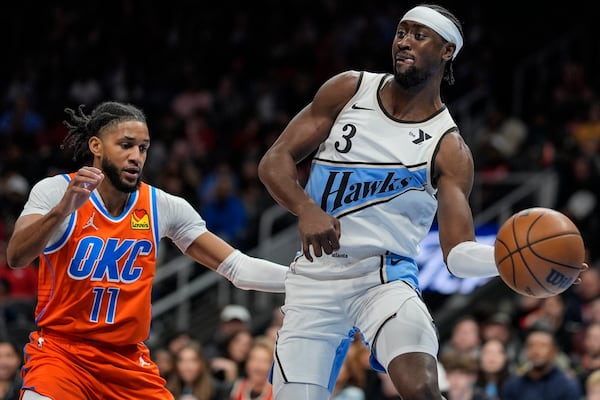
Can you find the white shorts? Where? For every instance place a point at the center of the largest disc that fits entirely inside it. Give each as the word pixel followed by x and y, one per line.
pixel 321 317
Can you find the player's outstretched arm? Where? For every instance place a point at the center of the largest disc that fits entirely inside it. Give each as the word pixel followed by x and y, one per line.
pixel 454 176
pixel 245 272
pixel 32 232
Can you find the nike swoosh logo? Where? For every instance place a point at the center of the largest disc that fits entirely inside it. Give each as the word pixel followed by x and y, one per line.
pixel 395 262
pixel 357 107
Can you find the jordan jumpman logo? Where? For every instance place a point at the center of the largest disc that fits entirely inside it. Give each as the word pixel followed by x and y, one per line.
pixel 90 222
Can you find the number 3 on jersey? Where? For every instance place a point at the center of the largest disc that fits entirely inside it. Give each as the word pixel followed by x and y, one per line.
pixel 347 137
pixel 112 294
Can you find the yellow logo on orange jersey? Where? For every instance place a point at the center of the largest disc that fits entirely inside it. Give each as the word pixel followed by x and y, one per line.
pixel 140 220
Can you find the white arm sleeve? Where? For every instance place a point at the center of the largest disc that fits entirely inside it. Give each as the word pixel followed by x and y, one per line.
pixel 472 260
pixel 251 273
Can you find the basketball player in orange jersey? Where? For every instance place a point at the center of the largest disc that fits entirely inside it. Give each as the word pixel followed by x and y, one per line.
pixel 388 157
pixel 96 232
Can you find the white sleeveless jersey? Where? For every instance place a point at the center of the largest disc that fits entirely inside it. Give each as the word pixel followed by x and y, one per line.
pixel 373 172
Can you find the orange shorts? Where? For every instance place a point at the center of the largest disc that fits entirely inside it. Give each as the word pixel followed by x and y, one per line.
pixel 66 369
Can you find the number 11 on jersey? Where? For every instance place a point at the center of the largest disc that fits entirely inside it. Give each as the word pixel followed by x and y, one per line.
pixel 99 294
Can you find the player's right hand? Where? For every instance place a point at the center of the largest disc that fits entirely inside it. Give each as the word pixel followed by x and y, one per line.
pixel 319 230
pixel 80 188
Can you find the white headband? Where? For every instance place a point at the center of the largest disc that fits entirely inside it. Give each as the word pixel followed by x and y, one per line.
pixel 439 23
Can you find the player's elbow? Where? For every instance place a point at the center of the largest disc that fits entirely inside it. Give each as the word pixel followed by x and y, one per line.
pixel 14 259
pixel 265 167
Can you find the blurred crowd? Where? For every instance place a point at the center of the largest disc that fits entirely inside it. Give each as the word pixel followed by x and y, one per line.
pixel 537 349
pixel 218 84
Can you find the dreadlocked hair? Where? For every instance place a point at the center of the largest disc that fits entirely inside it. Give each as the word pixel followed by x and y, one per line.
pixel 448 71
pixel 83 126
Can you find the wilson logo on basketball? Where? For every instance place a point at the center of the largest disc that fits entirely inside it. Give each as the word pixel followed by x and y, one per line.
pixel 557 279
pixel 140 220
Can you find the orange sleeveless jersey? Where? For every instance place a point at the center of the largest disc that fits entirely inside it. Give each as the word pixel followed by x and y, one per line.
pixel 95 283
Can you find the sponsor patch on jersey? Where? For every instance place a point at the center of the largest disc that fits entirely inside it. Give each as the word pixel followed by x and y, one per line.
pixel 140 220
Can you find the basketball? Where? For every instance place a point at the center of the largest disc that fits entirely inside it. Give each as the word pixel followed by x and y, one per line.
pixel 539 252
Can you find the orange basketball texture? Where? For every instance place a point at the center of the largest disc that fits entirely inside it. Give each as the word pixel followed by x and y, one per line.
pixel 539 252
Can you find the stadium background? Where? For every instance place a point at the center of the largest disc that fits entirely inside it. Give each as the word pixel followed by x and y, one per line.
pixel 219 81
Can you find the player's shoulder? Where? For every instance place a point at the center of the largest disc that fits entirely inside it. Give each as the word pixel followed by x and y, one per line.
pixel 51 183
pixel 164 198
pixel 452 140
pixel 353 77
pixel 338 90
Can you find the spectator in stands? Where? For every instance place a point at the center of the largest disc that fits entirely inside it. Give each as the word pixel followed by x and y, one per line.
pixel 541 378
pixel 581 303
pixel 551 313
pixel 579 336
pixel 8 313
pixel 225 212
pixel 254 385
pixel 493 370
pixel 192 379
pixel 14 189
pixel 21 123
pixel 232 362
pixel 233 318
pixel 573 93
pixel 178 340
pixel 461 372
pixel 589 360
pixel 579 193
pixel 592 386
pixel 465 337
pixel 499 141
pixel 10 377
pixel 499 327
pixel 164 360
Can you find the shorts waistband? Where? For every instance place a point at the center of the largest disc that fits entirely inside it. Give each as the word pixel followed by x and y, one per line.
pixel 74 339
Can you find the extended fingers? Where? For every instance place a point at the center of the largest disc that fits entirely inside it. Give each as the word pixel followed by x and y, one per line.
pixel 325 243
pixel 88 178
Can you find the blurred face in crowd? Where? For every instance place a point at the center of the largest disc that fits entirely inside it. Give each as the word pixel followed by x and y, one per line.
pixel 164 360
pixel 189 365
pixel 492 356
pixel 259 363
pixel 591 341
pixel 465 335
pixel 593 393
pixel 239 346
pixel 541 350
pixel 9 362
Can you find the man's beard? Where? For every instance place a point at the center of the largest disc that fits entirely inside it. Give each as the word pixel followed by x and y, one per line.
pixel 111 171
pixel 539 365
pixel 412 77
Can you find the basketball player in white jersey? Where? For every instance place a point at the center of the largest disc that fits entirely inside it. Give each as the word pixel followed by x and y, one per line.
pixel 388 157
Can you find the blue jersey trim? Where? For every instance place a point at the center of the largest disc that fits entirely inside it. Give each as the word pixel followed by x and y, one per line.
pixel 126 210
